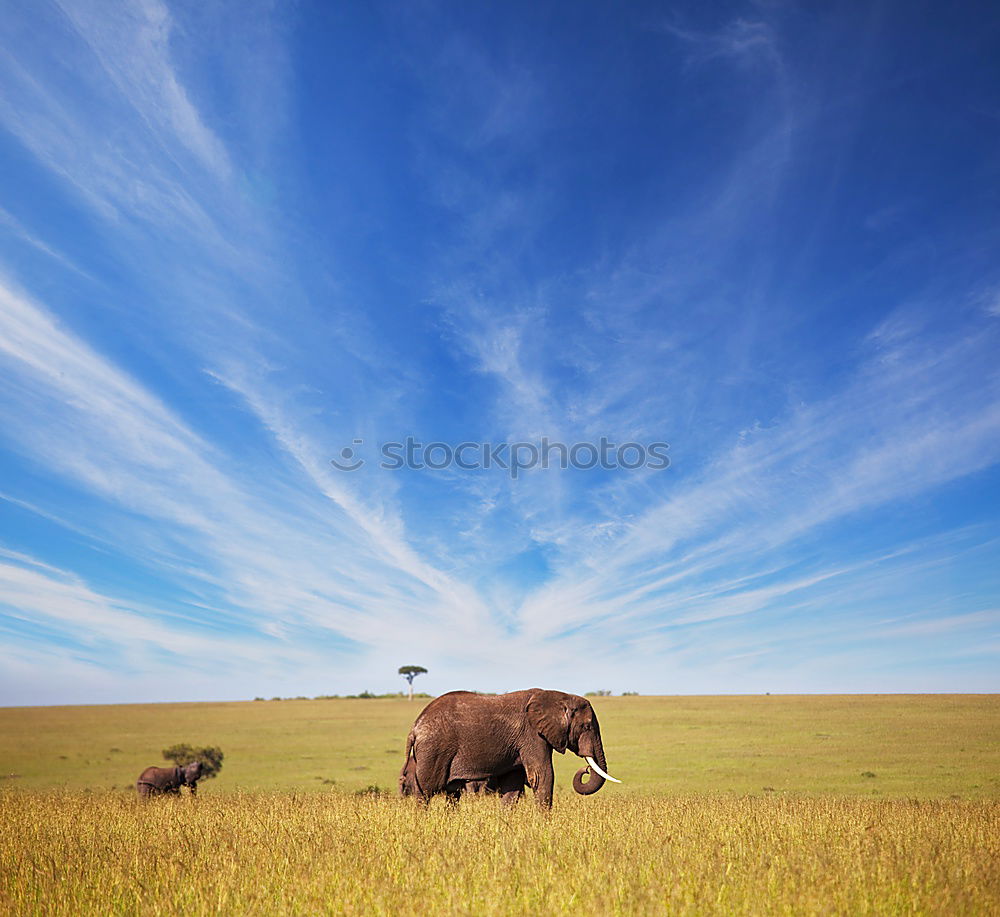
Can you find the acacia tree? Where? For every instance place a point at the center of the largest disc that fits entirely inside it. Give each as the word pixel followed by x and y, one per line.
pixel 409 672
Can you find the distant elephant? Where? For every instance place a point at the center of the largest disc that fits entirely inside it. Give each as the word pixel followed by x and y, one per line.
pixel 499 743
pixel 157 781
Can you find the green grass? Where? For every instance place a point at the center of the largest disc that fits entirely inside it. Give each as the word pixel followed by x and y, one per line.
pixel 924 746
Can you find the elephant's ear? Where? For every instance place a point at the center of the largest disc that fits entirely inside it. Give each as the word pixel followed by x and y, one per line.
pixel 549 717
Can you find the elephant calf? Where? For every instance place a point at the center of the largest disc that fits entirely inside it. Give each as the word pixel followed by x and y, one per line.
pixel 157 781
pixel 509 787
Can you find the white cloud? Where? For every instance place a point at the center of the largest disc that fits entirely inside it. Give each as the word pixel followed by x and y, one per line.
pixel 900 429
pixel 947 624
pixel 132 42
pixel 256 533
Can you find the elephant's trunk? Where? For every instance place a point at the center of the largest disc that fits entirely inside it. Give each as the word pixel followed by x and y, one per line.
pixel 591 747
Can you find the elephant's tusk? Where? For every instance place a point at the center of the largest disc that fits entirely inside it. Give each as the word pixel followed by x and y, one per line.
pixel 596 769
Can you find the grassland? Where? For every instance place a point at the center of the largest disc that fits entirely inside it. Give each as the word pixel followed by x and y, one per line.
pixel 282 853
pixel 732 805
pixel 930 746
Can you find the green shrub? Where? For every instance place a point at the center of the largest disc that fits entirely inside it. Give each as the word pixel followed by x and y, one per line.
pixel 210 756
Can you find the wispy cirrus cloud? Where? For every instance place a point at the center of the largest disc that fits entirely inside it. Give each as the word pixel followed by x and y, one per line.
pixel 741 41
pixel 899 429
pixel 242 279
pixel 132 43
pixel 109 435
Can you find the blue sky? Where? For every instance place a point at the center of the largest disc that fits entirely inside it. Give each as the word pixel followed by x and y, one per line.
pixel 237 237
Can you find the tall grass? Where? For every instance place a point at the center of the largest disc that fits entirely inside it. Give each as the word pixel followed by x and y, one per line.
pixel 280 853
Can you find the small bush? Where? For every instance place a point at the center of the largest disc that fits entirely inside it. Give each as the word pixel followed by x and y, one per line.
pixel 210 756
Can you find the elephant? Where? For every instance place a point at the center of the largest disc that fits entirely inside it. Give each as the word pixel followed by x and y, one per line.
pixel 470 742
pixel 158 781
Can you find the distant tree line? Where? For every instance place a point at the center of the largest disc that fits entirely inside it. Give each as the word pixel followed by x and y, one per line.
pixel 364 695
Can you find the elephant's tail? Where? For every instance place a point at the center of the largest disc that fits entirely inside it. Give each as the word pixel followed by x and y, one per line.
pixel 411 762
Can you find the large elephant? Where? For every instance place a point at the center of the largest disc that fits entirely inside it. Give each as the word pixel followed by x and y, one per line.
pixel 466 741
pixel 157 781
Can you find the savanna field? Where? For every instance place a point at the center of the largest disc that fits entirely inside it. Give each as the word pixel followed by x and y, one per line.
pixel 797 805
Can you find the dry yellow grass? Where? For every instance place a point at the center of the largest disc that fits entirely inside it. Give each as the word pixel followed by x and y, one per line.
pixel 283 853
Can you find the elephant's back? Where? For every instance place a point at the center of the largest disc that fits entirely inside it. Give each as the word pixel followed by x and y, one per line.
pixel 151 775
pixel 443 716
pixel 462 713
pixel 442 707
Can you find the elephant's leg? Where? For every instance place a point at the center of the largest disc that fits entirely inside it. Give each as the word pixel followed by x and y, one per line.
pixel 453 791
pixel 431 771
pixel 542 779
pixel 406 787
